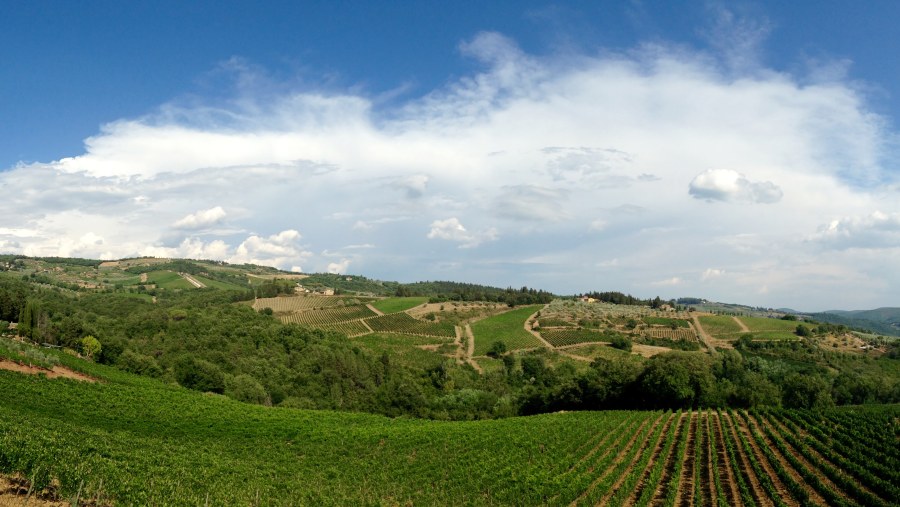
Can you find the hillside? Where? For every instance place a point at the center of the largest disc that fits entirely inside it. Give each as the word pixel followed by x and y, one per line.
pixel 130 440
pixel 881 320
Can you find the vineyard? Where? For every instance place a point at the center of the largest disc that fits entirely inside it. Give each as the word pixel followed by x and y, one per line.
pixel 562 337
pixel 508 327
pixel 137 441
pixel 298 303
pixel 405 324
pixel 680 334
pixel 326 316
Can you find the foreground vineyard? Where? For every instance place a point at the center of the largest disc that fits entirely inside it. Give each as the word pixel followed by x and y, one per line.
pixel 136 441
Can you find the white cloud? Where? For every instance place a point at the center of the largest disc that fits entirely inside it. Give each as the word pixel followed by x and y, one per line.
pixel 711 273
pixel 547 150
pixel 339 268
pixel 201 219
pixel 452 230
pixel 875 231
pixel 728 185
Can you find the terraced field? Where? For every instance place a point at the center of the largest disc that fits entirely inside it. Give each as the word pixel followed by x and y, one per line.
pixel 508 327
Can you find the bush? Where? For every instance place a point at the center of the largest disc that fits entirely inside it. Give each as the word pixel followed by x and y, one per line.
pixel 497 349
pixel 621 342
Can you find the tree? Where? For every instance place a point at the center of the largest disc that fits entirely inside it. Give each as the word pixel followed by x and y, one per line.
pixel 802 330
pixel 90 346
pixel 498 348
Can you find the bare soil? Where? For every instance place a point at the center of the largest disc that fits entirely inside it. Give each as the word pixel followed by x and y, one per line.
pixel 759 494
pixel 16 492
pixel 814 495
pixel 727 479
pixel 56 372
pixel 685 491
pixel 657 446
pixel 648 350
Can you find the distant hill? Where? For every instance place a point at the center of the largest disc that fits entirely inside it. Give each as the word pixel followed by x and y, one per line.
pixel 881 320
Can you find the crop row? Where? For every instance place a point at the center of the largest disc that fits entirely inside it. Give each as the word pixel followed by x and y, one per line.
pixel 561 337
pixel 405 324
pixel 298 303
pixel 319 318
pixel 679 334
pixel 137 441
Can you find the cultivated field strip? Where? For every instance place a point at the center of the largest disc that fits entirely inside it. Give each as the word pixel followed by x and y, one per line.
pixel 403 323
pixel 680 334
pixel 327 316
pixel 615 458
pixel 298 303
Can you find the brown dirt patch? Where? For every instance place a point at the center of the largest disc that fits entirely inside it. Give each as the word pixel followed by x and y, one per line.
pixel 648 350
pixel 15 492
pixel 56 372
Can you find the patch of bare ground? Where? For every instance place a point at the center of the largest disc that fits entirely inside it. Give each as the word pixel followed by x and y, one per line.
pixel 684 494
pixel 704 336
pixel 470 349
pixel 741 324
pixel 778 427
pixel 738 426
pixel 657 448
pixel 729 485
pixel 16 491
pixel 376 311
pixel 56 372
pixel 659 494
pixel 529 326
pixel 619 457
pixel 648 350
pixel 814 496
pixel 709 438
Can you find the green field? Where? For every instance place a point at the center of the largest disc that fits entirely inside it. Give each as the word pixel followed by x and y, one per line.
pixel 168 280
pixel 135 441
pixel 722 327
pixel 394 305
pixel 402 349
pixel 216 284
pixel 508 327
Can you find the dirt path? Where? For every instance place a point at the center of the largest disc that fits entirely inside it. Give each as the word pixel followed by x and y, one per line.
pixel 193 281
pixel 56 372
pixel 143 277
pixel 774 427
pixel 470 349
pixel 756 489
pixel 814 495
pixel 619 457
pixel 657 445
pixel 729 484
pixel 530 328
pixel 376 310
pixel 704 336
pixel 740 323
pixel 684 493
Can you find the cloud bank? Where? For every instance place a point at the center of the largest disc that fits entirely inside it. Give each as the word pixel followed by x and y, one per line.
pixel 664 159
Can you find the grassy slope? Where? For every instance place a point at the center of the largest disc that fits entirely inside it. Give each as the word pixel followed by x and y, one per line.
pixel 168 280
pixel 394 305
pixel 154 444
pixel 507 327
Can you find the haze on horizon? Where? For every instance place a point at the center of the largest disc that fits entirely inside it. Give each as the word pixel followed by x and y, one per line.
pixel 739 152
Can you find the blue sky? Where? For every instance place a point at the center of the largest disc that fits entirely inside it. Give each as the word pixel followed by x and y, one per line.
pixel 744 152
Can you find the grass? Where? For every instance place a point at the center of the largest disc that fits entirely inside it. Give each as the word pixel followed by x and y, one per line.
pixel 594 351
pixel 508 327
pixel 168 280
pixel 394 305
pixel 722 327
pixel 209 282
pixel 403 349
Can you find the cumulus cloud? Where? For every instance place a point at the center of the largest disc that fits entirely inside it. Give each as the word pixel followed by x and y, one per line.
pixel 451 229
pixel 534 154
pixel 201 219
pixel 731 186
pixel 877 230
pixel 339 268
